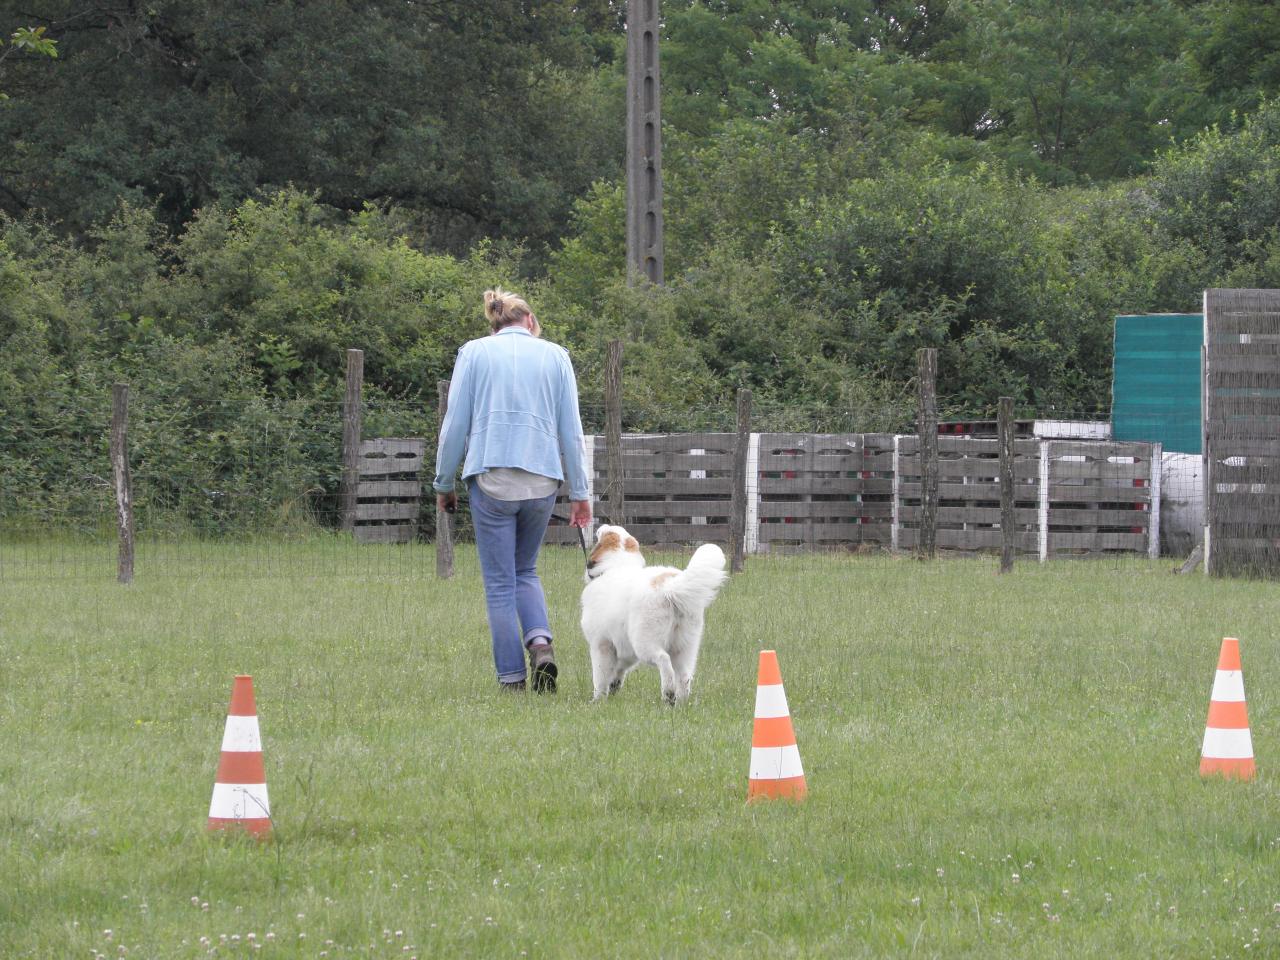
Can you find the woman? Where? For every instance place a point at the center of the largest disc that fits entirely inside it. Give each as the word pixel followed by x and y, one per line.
pixel 513 412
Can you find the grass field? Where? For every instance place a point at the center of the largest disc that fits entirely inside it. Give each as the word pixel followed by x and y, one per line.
pixel 997 767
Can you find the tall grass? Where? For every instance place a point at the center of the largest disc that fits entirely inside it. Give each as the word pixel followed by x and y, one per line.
pixel 997 766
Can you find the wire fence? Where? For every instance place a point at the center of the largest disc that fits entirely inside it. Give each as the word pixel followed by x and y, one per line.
pixel 255 488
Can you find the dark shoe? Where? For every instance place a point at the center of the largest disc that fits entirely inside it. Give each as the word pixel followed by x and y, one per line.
pixel 542 663
pixel 511 686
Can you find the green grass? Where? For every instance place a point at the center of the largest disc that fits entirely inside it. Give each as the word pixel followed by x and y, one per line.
pixel 997 767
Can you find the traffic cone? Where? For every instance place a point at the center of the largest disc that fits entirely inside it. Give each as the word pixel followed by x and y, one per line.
pixel 1228 748
pixel 775 758
pixel 240 793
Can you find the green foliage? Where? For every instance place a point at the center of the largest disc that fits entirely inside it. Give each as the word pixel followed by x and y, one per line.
pixel 483 118
pixel 1238 54
pixel 491 118
pixel 216 201
pixel 298 284
pixel 1221 195
pixel 233 340
pixel 853 251
pixel 29 40
pixel 33 40
pixel 1078 89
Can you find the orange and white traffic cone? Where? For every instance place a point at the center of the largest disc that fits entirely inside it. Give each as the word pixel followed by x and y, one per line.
pixel 775 758
pixel 1228 748
pixel 240 793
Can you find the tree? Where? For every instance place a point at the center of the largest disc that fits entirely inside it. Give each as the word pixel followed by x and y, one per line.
pixel 1221 194
pixel 481 118
pixel 1078 88
pixel 1239 55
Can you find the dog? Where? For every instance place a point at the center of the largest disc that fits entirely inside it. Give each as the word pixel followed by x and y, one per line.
pixel 633 614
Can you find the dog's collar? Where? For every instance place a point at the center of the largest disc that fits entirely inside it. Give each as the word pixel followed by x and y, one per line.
pixel 593 571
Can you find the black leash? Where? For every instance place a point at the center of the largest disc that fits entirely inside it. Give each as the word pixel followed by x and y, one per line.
pixel 582 537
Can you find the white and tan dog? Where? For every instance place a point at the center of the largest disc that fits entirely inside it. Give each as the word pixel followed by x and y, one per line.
pixel 636 614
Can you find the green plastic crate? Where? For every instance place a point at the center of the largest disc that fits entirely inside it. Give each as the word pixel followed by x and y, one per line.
pixel 1155 387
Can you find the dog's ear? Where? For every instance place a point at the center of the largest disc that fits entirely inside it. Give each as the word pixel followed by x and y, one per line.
pixel 609 541
pixel 631 545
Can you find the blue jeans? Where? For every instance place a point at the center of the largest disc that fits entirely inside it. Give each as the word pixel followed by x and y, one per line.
pixel 508 536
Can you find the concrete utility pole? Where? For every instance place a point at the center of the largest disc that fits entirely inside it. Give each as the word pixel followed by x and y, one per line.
pixel 644 144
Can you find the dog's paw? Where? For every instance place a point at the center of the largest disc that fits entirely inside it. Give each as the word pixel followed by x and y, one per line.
pixel 669 697
pixel 615 686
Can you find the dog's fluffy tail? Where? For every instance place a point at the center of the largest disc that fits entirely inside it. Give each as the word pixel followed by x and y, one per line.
pixel 694 587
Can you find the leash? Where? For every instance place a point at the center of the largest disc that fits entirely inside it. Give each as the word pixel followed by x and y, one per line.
pixel 582 537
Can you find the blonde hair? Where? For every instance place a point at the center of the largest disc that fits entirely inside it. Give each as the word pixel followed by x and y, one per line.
pixel 503 308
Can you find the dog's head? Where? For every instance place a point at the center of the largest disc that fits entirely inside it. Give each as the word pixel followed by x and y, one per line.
pixel 614 548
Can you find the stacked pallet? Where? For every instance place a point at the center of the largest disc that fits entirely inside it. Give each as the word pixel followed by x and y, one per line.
pixel 823 490
pixel 843 491
pixel 1242 431
pixel 968 515
pixel 389 492
pixel 678 486
pixel 1100 496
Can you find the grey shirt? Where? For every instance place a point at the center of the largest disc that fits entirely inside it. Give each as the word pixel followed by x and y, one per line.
pixel 512 483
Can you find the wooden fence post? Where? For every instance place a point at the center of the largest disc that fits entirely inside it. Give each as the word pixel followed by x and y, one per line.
pixel 613 433
pixel 121 481
pixel 444 523
pixel 1008 522
pixel 927 421
pixel 351 430
pixel 738 510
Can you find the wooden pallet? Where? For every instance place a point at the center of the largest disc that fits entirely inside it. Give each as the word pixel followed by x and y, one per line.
pixel 389 494
pixel 678 487
pixel 820 491
pixel 968 514
pixel 841 491
pixel 1242 432
pixel 1100 496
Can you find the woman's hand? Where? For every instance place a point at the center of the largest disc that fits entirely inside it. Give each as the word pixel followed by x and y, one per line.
pixel 579 513
pixel 448 502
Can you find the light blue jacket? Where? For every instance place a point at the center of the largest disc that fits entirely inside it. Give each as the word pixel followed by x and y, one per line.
pixel 513 402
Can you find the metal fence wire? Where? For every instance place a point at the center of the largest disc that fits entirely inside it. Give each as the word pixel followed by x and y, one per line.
pixel 266 478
